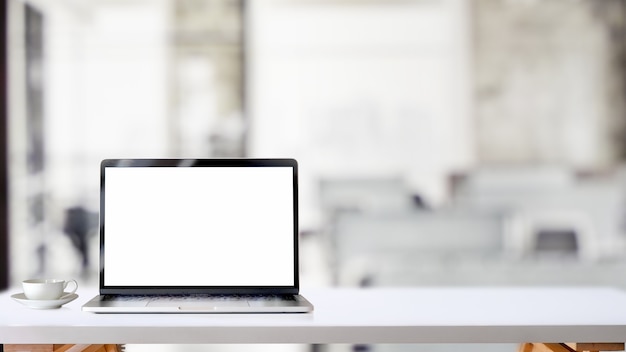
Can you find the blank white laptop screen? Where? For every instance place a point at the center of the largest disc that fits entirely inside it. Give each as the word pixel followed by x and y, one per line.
pixel 199 226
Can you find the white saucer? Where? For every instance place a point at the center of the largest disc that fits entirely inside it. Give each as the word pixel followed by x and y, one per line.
pixel 43 304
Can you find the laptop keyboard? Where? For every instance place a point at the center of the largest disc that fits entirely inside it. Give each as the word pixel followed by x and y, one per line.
pixel 198 298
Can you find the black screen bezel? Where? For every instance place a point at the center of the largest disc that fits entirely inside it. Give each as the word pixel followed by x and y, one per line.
pixel 233 162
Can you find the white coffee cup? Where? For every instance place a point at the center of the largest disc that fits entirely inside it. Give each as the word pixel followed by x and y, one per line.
pixel 47 289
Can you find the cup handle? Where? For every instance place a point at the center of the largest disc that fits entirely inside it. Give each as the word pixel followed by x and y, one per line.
pixel 67 282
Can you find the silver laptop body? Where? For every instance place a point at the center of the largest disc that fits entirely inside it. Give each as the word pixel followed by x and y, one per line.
pixel 199 236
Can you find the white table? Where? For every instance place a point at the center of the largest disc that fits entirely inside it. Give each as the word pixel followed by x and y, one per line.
pixel 407 315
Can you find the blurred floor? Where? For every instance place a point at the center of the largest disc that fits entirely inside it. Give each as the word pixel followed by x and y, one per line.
pixel 218 347
pixel 475 347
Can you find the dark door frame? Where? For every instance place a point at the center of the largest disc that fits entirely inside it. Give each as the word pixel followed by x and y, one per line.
pixel 4 196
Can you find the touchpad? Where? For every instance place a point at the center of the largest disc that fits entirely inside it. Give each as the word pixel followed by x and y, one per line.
pixel 199 304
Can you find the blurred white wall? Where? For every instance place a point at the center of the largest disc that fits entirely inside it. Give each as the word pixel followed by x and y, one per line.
pixel 105 88
pixel 374 88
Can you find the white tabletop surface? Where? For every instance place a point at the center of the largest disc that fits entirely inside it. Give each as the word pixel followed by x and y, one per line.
pixel 403 315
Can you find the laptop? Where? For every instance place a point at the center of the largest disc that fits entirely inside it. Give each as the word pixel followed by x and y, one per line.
pixel 199 236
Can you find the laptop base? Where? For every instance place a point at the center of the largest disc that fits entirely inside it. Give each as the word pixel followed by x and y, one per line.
pixel 198 304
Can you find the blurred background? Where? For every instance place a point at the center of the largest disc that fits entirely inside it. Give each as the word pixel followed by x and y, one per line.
pixel 440 142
